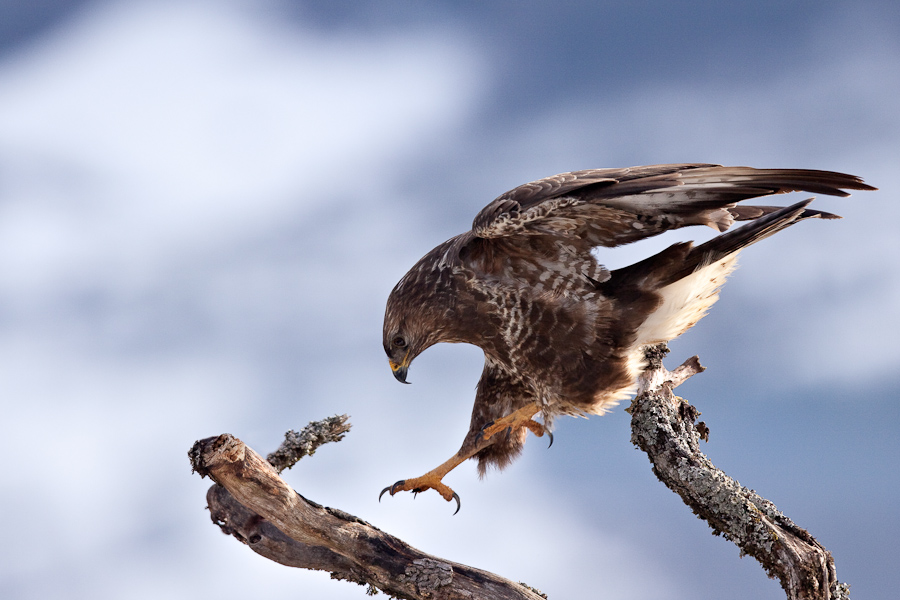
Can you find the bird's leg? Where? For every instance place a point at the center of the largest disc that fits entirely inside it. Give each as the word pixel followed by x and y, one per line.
pixel 432 480
pixel 522 417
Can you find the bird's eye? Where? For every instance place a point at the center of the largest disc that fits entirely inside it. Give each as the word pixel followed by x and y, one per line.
pixel 399 342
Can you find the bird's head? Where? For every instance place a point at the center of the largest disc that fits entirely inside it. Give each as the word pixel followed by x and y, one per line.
pixel 419 314
pixel 401 350
pixel 406 333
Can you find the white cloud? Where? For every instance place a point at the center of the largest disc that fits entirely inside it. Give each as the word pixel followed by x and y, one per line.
pixel 149 130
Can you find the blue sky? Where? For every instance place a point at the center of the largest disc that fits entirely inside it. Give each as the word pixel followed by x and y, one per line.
pixel 203 207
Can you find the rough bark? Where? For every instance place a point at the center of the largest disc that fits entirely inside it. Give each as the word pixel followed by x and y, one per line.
pixel 664 426
pixel 251 502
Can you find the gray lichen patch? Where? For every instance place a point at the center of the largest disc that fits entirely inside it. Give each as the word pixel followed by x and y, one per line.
pixel 428 574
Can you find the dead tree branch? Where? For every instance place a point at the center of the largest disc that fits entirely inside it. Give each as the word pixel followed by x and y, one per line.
pixel 663 425
pixel 251 502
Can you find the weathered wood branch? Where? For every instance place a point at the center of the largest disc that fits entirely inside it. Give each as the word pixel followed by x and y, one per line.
pixel 251 502
pixel 663 425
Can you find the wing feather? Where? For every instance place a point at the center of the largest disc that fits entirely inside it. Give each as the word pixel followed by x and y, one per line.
pixel 609 207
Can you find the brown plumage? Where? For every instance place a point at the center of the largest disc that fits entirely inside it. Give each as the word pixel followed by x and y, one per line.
pixel 561 334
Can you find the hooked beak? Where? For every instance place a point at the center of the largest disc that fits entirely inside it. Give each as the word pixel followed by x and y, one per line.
pixel 400 369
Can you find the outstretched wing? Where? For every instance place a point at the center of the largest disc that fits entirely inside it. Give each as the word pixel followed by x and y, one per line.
pixel 609 207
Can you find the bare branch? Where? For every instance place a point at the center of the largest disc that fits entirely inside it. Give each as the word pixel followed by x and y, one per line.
pixel 255 505
pixel 297 445
pixel 662 425
pixel 252 503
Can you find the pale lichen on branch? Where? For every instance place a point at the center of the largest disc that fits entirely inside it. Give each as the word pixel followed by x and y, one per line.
pixel 305 443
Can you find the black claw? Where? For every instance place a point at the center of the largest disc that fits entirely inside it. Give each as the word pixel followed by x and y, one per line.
pixel 483 427
pixel 550 435
pixel 456 497
pixel 391 488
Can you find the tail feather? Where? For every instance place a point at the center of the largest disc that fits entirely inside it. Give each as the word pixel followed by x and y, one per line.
pixel 734 241
pixel 687 278
pixel 681 259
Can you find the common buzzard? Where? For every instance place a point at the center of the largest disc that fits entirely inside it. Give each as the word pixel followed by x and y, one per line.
pixel 561 334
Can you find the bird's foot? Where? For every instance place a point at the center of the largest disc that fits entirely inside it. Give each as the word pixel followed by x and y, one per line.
pixel 420 484
pixel 514 421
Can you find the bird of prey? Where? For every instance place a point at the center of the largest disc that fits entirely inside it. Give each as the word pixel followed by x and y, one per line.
pixel 561 334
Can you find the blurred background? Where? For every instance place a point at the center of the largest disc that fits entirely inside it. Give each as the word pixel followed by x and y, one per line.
pixel 204 205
